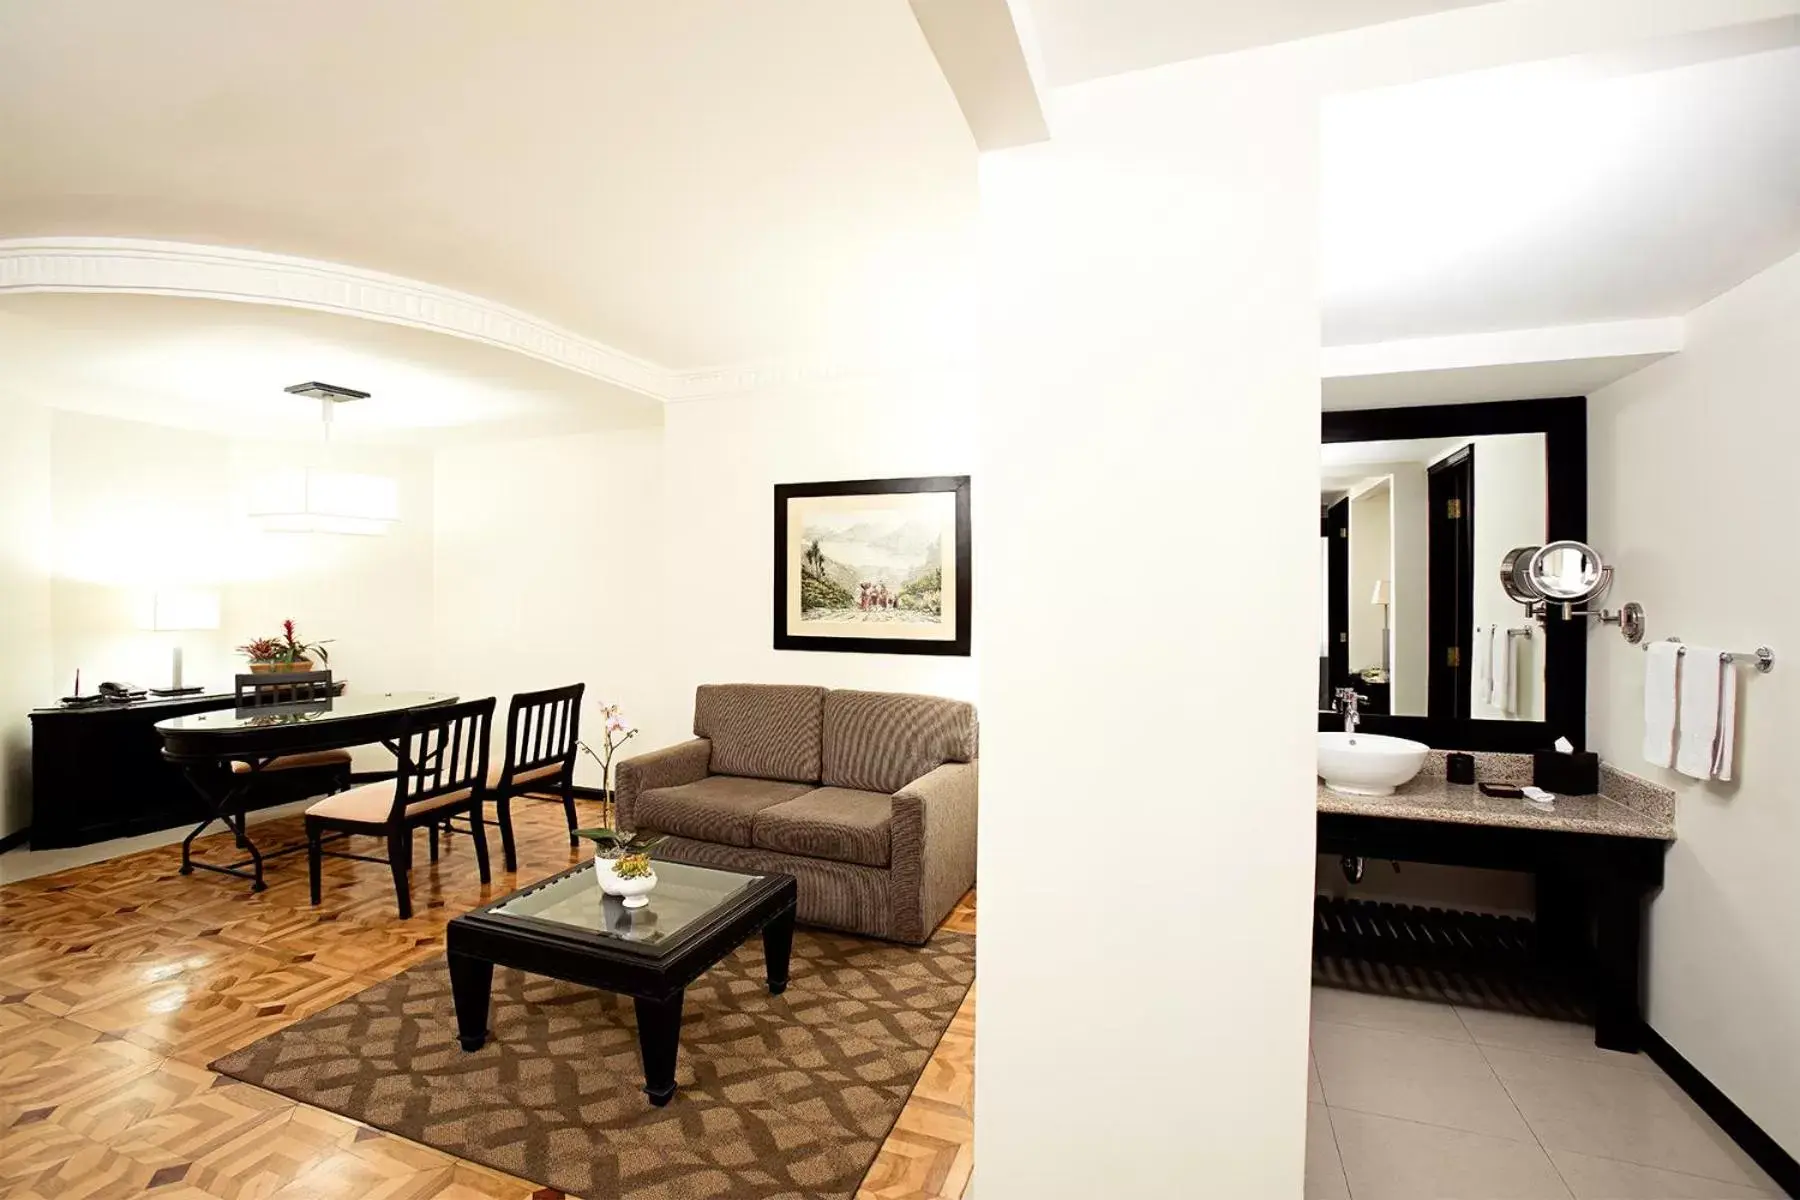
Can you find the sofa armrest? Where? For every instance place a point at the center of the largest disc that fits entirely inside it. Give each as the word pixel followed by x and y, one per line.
pixel 933 857
pixel 684 762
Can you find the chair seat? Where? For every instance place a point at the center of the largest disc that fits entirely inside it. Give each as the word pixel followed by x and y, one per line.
pixel 295 762
pixel 840 824
pixel 522 777
pixel 719 808
pixel 371 803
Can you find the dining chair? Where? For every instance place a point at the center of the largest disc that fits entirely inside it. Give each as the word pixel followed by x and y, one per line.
pixel 441 771
pixel 542 730
pixel 294 692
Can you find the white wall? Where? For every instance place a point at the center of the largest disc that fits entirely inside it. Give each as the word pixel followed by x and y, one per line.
pixel 138 506
pixel 1511 500
pixel 1690 497
pixel 547 564
pixel 722 459
pixel 1371 560
pixel 1151 298
pixel 26 679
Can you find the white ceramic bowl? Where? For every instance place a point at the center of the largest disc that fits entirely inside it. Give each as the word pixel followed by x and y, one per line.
pixel 1368 764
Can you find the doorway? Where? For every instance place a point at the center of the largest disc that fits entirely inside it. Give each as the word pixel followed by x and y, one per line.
pixel 1450 578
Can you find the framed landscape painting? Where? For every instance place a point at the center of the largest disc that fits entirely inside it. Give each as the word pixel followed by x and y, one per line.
pixel 873 566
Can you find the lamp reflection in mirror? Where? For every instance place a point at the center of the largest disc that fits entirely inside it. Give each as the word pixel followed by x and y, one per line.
pixel 317 500
pixel 1383 595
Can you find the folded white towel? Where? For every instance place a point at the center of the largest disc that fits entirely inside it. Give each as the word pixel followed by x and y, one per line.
pixel 1506 677
pixel 1701 705
pixel 1488 692
pixel 1662 669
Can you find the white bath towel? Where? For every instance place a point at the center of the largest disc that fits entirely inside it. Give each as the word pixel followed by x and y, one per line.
pixel 1727 741
pixel 1506 676
pixel 1483 654
pixel 1662 671
pixel 1697 724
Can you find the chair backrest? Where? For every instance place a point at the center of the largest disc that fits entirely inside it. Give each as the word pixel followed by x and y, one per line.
pixel 283 687
pixel 442 750
pixel 542 729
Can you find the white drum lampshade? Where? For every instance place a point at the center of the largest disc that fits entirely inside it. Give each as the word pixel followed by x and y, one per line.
pixel 317 500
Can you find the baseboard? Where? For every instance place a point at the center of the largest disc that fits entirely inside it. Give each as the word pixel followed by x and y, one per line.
pixel 589 793
pixel 17 837
pixel 358 778
pixel 1749 1136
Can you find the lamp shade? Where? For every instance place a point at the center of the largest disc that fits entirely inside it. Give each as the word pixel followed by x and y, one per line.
pixel 184 608
pixel 314 500
pixel 1382 593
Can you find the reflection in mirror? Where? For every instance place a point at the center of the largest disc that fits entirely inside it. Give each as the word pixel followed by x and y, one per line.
pixel 1567 571
pixel 1415 617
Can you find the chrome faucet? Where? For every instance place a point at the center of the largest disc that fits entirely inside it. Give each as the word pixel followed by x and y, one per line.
pixel 1347 701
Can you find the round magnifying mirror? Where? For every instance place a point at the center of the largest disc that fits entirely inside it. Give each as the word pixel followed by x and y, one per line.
pixel 1567 572
pixel 1514 578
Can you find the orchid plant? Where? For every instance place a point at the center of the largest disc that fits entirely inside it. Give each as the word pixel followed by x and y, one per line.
pixel 615 731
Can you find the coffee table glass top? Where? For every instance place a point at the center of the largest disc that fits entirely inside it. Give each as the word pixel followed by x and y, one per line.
pixel 683 895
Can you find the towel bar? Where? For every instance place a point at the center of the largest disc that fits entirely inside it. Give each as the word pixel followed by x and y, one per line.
pixel 1762 658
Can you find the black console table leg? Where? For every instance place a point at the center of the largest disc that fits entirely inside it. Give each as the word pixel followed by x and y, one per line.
pixel 659 1040
pixel 778 948
pixel 471 984
pixel 1618 1015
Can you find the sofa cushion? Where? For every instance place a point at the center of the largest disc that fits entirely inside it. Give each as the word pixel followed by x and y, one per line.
pixel 841 824
pixel 765 731
pixel 718 808
pixel 882 741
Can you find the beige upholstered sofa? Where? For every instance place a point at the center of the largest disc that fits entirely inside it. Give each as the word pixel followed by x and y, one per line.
pixel 868 799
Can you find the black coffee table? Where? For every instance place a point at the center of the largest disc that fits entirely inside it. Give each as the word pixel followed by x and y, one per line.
pixel 566 928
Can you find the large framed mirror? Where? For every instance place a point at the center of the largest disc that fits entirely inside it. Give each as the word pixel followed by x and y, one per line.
pixel 1418 509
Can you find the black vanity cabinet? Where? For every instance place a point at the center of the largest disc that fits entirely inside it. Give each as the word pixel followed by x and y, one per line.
pixel 98 772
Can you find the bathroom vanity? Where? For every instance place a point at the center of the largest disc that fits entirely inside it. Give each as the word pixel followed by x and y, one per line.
pixel 1596 860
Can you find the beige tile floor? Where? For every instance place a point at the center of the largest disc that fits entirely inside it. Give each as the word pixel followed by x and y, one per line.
pixel 1411 1100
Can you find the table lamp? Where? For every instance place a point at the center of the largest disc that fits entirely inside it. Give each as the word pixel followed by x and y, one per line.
pixel 1383 597
pixel 176 611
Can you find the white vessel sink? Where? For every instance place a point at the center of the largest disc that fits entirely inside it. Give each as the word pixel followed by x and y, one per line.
pixel 1367 764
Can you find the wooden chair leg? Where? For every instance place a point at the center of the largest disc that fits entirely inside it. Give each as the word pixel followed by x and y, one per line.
pixel 509 850
pixel 568 798
pixel 434 841
pixel 399 852
pixel 480 837
pixel 315 853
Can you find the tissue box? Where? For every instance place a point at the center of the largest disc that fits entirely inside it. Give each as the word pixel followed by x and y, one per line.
pixel 1576 774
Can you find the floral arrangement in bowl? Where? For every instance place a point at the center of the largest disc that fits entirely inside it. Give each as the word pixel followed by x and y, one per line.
pixel 622 863
pixel 283 652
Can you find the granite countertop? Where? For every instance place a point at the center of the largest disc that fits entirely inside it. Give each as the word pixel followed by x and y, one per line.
pixel 1430 797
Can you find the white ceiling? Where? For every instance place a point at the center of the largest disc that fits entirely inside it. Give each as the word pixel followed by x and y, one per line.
pixel 1087 39
pixel 695 182
pixel 1555 194
pixel 221 367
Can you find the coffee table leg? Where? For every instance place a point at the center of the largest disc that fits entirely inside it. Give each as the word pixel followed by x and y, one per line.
pixel 471 979
pixel 659 1040
pixel 778 947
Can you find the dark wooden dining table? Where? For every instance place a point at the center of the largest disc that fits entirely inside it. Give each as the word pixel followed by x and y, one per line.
pixel 205 745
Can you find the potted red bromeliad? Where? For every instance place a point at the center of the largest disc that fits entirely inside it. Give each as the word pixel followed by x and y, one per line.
pixel 282 653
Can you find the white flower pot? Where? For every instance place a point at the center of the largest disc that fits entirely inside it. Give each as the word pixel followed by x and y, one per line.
pixel 636 892
pixel 606 876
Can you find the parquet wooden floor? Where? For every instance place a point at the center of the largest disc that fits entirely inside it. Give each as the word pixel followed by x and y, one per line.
pixel 120 981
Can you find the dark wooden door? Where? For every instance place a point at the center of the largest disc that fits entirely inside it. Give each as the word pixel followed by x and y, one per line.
pixel 1336 529
pixel 1450 575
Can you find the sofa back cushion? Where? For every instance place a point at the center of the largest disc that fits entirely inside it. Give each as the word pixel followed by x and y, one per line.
pixel 763 730
pixel 882 741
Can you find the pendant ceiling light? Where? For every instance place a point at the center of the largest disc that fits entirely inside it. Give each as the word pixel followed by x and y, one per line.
pixel 318 499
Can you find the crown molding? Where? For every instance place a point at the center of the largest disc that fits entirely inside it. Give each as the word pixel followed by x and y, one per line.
pixel 156 268
pixel 132 265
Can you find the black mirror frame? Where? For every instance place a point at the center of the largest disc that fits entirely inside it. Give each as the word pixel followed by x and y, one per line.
pixel 1563 422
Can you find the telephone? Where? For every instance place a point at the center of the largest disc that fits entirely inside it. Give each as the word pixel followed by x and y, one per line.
pixel 121 693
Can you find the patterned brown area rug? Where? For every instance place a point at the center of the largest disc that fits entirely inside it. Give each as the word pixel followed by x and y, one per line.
pixel 780 1096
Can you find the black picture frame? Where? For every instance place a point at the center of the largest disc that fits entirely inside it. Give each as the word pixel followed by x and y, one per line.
pixel 1563 422
pixel 958 645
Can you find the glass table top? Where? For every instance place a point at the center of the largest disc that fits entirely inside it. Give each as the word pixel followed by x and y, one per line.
pixel 338 708
pixel 683 895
